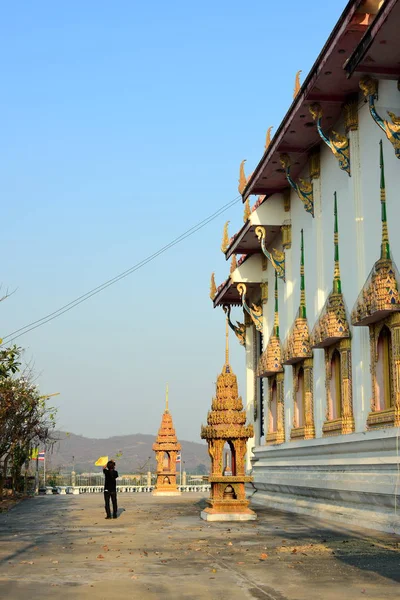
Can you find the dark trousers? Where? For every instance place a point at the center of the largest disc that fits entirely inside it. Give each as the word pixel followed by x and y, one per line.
pixel 113 496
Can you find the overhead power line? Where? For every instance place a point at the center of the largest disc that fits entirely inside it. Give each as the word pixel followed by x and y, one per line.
pixel 67 307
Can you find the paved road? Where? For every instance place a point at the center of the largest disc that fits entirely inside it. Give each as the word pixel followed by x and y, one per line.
pixel 61 547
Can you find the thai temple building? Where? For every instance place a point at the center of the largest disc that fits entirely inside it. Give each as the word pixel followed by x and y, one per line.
pixel 314 286
pixel 166 448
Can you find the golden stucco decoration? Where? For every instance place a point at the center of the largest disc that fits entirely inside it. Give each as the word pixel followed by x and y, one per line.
pixel 254 311
pixel 304 189
pixel 276 257
pixel 369 87
pixel 225 238
pixel 242 177
pixel 339 144
pixel 268 137
pixel 166 448
pixel 226 423
pixel 297 84
pixel 213 287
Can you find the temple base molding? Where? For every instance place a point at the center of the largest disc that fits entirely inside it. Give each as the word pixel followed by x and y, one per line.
pixel 209 516
pixel 349 478
pixel 166 493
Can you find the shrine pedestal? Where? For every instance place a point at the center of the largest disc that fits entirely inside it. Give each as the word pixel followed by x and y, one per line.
pixel 162 493
pixel 220 516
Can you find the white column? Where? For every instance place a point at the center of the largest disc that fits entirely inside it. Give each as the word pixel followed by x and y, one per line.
pixel 360 345
pixel 251 397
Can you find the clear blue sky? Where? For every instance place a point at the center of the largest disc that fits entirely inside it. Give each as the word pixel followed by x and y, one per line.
pixel 123 124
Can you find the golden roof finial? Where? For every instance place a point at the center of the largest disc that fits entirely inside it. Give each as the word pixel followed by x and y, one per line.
pixel 225 238
pixel 297 84
pixel 227 342
pixel 242 177
pixel 233 264
pixel 385 247
pixel 166 400
pixel 213 287
pixel 247 211
pixel 268 137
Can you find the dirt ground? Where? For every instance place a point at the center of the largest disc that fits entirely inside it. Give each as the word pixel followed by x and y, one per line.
pixel 159 548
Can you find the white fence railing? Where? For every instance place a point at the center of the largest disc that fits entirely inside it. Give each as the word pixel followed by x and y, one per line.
pixel 98 489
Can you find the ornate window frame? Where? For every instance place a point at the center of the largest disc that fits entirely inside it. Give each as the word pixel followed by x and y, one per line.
pixel 388 417
pixel 345 424
pixel 277 436
pixel 307 431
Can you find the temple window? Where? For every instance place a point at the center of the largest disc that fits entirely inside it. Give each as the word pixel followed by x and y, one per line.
pixel 229 466
pixel 339 414
pixel 273 406
pixel 299 402
pixel 383 379
pixel 385 371
pixel 166 461
pixel 303 412
pixel 336 386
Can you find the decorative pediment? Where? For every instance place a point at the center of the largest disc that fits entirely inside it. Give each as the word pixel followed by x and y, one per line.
pixel 332 324
pixel 270 361
pixel 297 346
pixel 380 295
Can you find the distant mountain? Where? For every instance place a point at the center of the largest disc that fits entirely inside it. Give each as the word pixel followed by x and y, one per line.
pixel 134 450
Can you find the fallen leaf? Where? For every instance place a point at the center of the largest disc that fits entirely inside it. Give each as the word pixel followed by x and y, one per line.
pixel 294 550
pixel 263 556
pixel 100 557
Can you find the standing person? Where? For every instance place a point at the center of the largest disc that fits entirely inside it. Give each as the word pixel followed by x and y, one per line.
pixel 110 489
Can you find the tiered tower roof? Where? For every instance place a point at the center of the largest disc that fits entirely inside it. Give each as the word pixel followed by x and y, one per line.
pixel 227 419
pixel 166 438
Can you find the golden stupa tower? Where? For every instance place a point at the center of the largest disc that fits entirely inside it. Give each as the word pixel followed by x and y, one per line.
pixel 226 426
pixel 167 449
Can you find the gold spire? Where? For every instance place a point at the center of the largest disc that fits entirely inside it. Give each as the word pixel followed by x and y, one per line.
pixel 276 312
pixel 227 343
pixel 297 84
pixel 268 137
pixel 242 177
pixel 213 287
pixel 233 264
pixel 337 283
pixel 247 211
pixel 166 400
pixel 225 238
pixel 385 247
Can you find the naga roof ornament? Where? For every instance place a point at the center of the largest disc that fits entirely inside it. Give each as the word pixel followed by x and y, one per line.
pixel 297 346
pixel 332 324
pixel 271 359
pixel 276 257
pixel 213 287
pixel 304 189
pixel 380 294
pixel 297 84
pixel 339 144
pixel 242 177
pixel 255 312
pixel 239 329
pixel 391 128
pixel 225 238
pixel 233 264
pixel 247 211
pixel 268 137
